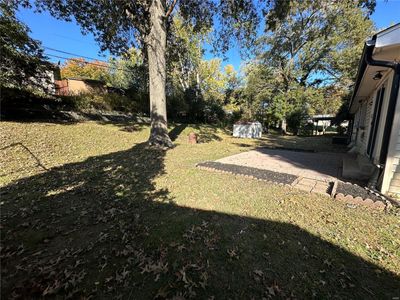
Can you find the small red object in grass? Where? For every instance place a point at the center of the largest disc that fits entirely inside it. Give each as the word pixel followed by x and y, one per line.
pixel 192 138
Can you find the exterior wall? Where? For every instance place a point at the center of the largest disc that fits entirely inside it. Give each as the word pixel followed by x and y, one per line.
pixel 363 120
pixel 355 128
pixel 391 179
pixel 387 83
pixel 361 127
pixel 62 87
pixel 74 87
pixel 79 86
pixel 361 132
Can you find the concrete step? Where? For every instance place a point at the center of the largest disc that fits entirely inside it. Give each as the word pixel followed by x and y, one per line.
pixel 356 169
pixel 394 190
pixel 396 176
pixel 365 164
pixel 395 182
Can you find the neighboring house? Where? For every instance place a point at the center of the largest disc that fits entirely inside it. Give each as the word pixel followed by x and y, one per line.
pixel 321 122
pixel 75 86
pixel 375 111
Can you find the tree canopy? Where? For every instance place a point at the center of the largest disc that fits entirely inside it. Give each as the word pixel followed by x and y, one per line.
pixel 22 58
pixel 304 62
pixel 80 68
pixel 307 61
pixel 120 25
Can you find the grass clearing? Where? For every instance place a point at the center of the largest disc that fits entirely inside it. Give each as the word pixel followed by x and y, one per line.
pixel 89 210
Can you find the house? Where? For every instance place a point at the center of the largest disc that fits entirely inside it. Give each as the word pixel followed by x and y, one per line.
pixel 75 86
pixel 321 122
pixel 375 112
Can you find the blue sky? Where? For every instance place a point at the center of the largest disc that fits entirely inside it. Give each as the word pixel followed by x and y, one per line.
pixel 67 36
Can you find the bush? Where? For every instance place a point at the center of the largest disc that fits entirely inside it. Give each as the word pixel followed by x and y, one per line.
pixel 121 102
pixel 214 113
pixel 84 101
pixel 296 120
pixel 109 101
pixel 306 129
pixel 235 116
pixel 177 107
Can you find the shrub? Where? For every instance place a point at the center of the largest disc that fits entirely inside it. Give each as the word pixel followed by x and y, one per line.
pixel 120 102
pixel 109 101
pixel 235 116
pixel 214 113
pixel 306 129
pixel 295 120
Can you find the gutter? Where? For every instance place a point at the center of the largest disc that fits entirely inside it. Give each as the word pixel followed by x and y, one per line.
pixel 370 45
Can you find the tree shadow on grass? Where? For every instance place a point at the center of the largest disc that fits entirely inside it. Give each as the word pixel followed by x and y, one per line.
pixel 208 133
pixel 176 131
pixel 101 228
pixel 301 143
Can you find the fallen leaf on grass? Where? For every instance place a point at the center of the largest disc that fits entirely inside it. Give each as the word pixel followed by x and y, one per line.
pixel 232 253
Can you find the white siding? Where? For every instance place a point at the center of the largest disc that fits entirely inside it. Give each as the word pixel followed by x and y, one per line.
pixel 355 127
pixel 361 127
pixel 382 118
pixel 394 186
pixel 391 180
pixel 368 119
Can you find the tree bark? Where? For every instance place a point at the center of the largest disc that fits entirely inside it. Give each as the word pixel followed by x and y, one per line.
pixel 156 50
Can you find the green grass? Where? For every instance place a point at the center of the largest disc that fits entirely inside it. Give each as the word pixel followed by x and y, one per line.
pixel 88 209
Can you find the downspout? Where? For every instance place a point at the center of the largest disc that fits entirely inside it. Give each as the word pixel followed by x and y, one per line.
pixel 391 106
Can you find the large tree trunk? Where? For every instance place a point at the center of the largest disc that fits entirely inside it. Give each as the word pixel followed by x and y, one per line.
pixel 156 50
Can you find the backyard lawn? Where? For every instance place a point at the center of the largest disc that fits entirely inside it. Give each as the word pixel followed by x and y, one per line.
pixel 88 210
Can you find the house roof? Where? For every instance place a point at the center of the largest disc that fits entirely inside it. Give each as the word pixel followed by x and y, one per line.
pixel 323 117
pixel 386 48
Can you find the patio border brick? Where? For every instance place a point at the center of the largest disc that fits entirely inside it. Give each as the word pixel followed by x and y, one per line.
pixel 357 200
pixel 293 181
pixel 249 172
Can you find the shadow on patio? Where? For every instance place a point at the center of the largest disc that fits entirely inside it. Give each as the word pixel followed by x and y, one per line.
pixel 319 165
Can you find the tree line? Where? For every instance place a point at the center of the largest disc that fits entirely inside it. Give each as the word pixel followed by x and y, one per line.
pixel 302 56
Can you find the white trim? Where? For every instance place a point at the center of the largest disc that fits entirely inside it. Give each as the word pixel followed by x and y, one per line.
pixel 370 102
pixel 388 37
pixel 383 116
pixel 394 135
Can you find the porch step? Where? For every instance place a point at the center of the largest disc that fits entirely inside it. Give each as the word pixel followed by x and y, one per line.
pixel 394 190
pixel 395 182
pixel 359 168
pixel 396 176
pixel 365 164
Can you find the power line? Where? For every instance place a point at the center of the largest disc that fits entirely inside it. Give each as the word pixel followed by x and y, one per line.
pixel 74 54
pixel 89 63
pixel 82 56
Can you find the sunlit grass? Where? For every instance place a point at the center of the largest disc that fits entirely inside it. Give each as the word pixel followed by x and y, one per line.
pixel 229 236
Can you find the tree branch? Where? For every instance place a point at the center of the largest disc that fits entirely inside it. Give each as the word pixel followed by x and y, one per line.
pixel 171 8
